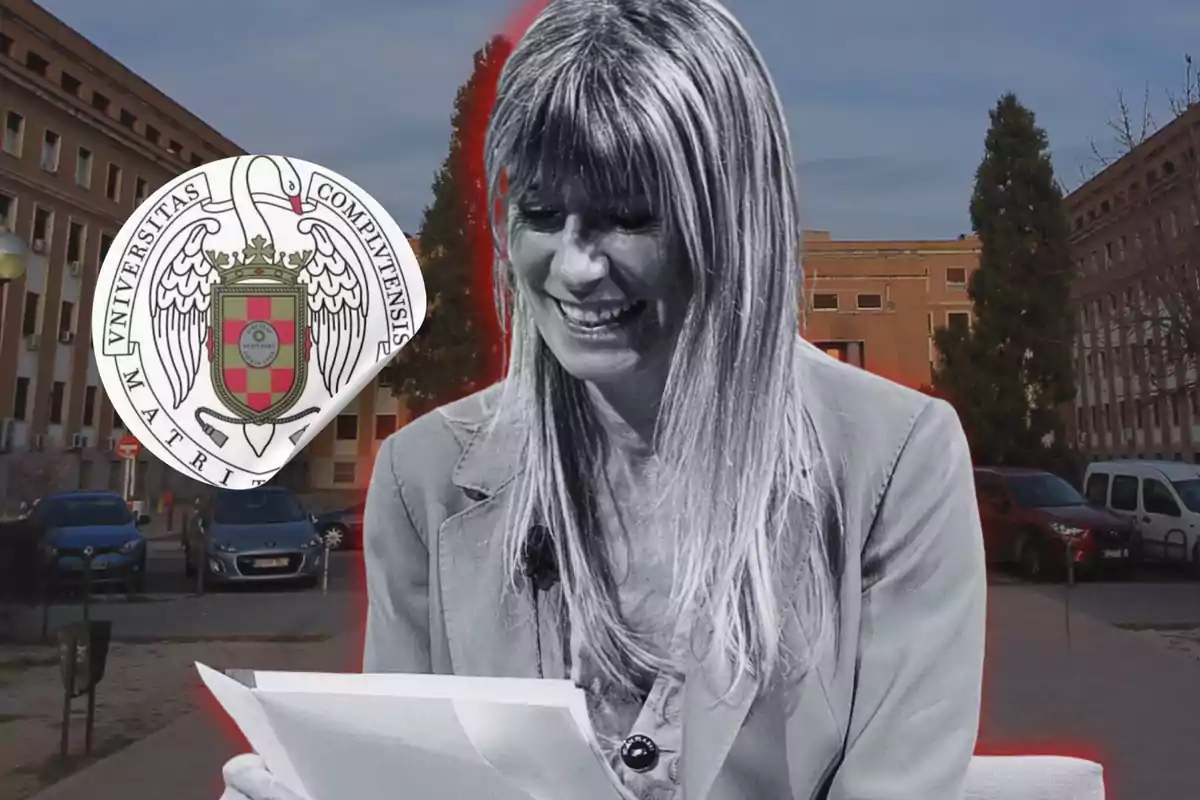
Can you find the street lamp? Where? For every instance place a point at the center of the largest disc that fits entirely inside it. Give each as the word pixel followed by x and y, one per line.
pixel 14 256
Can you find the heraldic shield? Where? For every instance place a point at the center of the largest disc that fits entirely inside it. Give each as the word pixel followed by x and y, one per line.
pixel 260 335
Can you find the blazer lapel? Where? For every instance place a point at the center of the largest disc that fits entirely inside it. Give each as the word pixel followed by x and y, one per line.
pixel 713 711
pixel 490 628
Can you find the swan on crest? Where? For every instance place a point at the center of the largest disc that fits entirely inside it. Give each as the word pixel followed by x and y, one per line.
pixel 336 290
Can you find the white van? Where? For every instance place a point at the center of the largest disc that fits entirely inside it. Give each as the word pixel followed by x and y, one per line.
pixel 1161 498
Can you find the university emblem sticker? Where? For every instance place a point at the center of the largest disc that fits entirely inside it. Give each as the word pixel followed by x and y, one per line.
pixel 242 306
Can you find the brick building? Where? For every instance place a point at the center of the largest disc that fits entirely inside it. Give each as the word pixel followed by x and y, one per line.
pixel 877 304
pixel 1135 241
pixel 84 142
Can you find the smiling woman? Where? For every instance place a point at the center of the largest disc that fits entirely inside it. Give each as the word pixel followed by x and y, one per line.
pixel 763 567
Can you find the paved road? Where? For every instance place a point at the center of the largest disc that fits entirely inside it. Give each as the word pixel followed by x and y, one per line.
pixel 1118 696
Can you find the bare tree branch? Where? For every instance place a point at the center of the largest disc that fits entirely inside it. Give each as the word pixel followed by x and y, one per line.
pixel 1180 103
pixel 36 473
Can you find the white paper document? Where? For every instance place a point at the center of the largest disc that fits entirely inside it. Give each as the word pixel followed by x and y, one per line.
pixel 334 736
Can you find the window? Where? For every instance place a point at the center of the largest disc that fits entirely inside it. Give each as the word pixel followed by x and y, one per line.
pixel 128 119
pixel 958 320
pixel 29 320
pixel 1157 498
pixel 89 406
pixel 174 147
pixel 106 240
pixel 196 160
pixel 14 134
pixel 153 134
pixel 870 302
pixel 36 64
pixel 21 399
pixel 117 423
pixel 992 498
pixel 385 425
pixel 1172 224
pixel 112 185
pixel 76 235
pixel 1096 490
pixel 43 227
pixel 101 103
pixel 70 84
pixel 8 211
pixel 825 302
pixel 956 276
pixel 140 190
pixel 6 44
pixel 66 318
pixel 83 168
pixel 1124 495
pixel 344 472
pixel 346 428
pixel 51 148
pixel 58 393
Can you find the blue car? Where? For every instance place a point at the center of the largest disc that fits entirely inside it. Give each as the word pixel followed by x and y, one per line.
pixel 101 521
pixel 252 536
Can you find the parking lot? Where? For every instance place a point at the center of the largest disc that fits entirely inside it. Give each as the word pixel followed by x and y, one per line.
pixel 1119 683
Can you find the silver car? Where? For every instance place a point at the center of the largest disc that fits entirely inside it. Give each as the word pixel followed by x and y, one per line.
pixel 254 535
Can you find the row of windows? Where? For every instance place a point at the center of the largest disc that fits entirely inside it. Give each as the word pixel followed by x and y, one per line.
pixel 22 397
pixel 1105 418
pixel 1123 199
pixel 1116 251
pixel 1141 296
pixel 346 427
pixel 15 126
pixel 73 86
pixel 41 231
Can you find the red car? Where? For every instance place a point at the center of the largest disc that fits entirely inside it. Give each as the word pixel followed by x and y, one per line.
pixel 1033 519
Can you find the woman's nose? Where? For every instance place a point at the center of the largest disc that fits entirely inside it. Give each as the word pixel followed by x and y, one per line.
pixel 579 263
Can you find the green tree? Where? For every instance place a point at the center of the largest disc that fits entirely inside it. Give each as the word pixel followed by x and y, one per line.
pixel 459 347
pixel 1010 373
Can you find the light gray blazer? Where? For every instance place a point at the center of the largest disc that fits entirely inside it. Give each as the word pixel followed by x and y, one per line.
pixel 889 713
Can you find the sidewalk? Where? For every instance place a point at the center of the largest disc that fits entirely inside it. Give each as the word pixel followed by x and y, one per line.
pixel 183 760
pixel 1125 699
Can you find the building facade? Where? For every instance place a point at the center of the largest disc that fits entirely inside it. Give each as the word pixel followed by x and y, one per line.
pixel 1135 243
pixel 84 142
pixel 877 304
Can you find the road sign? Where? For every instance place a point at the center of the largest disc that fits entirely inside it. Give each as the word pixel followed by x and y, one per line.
pixel 128 447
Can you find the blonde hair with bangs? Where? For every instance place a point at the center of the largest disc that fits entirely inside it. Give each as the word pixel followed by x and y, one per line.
pixel 668 98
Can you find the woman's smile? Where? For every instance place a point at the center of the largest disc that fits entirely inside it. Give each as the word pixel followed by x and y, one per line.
pixel 600 320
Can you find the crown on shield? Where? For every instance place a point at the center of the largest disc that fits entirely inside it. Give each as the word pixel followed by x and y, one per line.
pixel 258 260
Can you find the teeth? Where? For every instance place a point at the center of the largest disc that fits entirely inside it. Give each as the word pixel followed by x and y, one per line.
pixel 595 316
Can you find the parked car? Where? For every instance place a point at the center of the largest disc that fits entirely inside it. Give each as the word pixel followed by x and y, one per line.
pixel 342 529
pixel 101 521
pixel 1161 499
pixel 254 535
pixel 1033 518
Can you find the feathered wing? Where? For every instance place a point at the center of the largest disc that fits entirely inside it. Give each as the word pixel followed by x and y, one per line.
pixel 180 304
pixel 337 304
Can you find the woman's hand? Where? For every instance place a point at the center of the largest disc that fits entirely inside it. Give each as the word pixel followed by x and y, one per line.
pixel 247 778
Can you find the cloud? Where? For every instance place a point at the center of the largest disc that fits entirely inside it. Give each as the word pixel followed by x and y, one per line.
pixel 887 101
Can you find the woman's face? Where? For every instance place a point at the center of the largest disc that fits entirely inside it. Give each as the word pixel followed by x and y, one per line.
pixel 598 276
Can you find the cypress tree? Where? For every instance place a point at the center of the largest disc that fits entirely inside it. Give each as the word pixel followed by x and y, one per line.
pixel 459 348
pixel 1011 372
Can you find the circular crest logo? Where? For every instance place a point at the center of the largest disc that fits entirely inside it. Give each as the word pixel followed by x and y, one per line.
pixel 242 306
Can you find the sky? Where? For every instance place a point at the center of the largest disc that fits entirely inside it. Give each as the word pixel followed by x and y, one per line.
pixel 887 102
